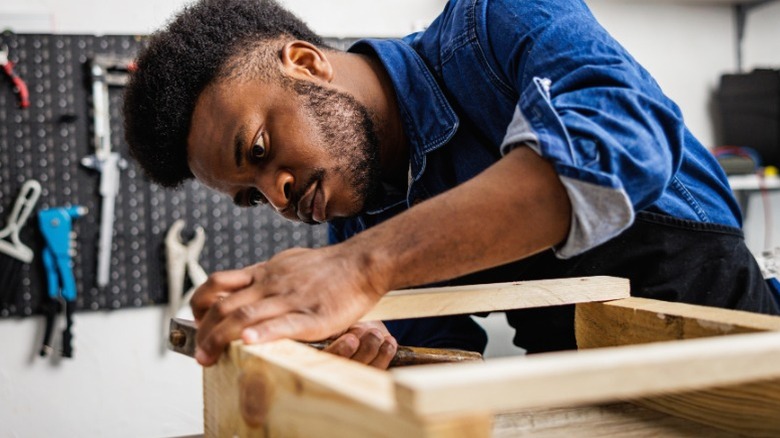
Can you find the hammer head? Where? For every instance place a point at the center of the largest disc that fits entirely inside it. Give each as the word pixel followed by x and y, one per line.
pixel 181 337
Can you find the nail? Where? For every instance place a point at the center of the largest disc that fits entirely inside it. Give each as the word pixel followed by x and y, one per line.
pixel 250 336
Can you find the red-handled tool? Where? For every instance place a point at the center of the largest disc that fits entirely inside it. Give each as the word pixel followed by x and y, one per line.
pixel 19 86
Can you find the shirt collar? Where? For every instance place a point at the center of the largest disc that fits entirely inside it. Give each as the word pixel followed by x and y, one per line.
pixel 427 117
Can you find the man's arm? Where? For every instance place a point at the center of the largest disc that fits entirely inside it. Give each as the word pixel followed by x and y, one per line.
pixel 515 208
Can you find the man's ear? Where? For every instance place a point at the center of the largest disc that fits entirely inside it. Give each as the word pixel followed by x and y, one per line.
pixel 304 60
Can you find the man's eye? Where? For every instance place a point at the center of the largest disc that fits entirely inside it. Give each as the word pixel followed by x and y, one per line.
pixel 255 198
pixel 258 149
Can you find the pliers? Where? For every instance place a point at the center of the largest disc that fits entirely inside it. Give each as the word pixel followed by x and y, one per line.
pixel 19 86
pixel 182 258
pixel 55 224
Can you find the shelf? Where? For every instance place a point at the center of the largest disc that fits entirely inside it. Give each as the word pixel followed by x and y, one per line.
pixel 753 182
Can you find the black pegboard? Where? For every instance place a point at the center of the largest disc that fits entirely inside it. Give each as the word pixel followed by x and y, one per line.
pixel 47 141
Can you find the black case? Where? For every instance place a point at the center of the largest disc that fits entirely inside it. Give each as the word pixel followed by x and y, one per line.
pixel 749 105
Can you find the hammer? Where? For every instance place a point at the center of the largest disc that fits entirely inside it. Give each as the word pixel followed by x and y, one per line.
pixel 183 333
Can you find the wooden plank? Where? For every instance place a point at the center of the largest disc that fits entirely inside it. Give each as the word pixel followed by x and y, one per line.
pixel 416 303
pixel 640 320
pixel 221 416
pixel 592 376
pixel 284 388
pixel 750 409
pixel 613 420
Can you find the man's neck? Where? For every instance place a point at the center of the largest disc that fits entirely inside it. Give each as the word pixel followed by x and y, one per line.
pixel 366 79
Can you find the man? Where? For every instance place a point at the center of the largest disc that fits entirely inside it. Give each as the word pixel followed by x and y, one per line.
pixel 510 140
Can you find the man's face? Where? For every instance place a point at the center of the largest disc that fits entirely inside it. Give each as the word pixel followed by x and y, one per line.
pixel 309 151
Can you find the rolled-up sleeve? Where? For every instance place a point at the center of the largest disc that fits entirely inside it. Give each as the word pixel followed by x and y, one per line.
pixel 587 107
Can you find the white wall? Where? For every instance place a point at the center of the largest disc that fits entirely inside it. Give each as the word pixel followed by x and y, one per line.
pixel 687 45
pixel 120 385
pixel 333 18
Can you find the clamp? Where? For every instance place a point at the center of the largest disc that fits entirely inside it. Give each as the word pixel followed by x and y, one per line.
pixel 55 224
pixel 20 88
pixel 182 258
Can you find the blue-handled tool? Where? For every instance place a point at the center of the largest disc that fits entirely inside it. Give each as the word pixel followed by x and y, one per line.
pixel 56 226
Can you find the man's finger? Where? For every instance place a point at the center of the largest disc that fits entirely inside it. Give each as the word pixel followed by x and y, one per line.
pixel 386 353
pixel 213 345
pixel 298 326
pixel 345 345
pixel 369 346
pixel 228 320
pixel 217 286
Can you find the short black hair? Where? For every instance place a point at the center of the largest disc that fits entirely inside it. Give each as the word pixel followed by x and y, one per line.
pixel 206 41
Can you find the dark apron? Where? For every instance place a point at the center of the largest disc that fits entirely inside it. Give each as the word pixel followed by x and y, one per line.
pixel 664 258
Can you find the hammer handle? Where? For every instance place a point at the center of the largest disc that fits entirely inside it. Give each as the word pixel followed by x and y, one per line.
pixel 405 356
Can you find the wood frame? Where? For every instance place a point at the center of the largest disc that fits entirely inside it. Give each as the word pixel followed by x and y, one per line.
pixel 284 388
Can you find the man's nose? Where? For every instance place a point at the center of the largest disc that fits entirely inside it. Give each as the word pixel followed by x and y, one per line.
pixel 280 189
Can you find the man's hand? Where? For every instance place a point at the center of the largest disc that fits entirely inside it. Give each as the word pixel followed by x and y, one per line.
pixel 303 294
pixel 366 342
pixel 515 208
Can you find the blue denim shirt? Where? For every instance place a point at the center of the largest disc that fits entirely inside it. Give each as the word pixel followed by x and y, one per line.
pixel 489 75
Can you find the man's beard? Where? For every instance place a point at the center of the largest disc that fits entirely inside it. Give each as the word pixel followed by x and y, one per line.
pixel 349 135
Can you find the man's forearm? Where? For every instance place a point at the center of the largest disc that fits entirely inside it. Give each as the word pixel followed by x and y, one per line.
pixel 513 209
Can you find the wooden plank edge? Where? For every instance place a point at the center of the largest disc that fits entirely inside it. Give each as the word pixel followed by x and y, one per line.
pixel 619 419
pixel 751 408
pixel 639 320
pixel 417 303
pixel 284 388
pixel 592 376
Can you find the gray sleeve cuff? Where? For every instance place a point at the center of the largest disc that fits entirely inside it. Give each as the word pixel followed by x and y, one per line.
pixel 599 213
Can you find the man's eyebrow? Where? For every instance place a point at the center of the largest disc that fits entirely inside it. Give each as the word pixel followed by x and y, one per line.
pixel 238 146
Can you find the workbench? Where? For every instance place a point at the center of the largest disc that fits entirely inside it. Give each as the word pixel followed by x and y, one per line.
pixel 744 186
pixel 643 368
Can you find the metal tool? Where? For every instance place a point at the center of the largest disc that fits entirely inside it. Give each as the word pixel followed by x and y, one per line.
pixel 25 202
pixel 182 259
pixel 183 334
pixel 105 71
pixel 20 88
pixel 56 227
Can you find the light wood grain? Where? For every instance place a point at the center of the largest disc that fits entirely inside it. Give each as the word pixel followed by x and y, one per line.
pixel 592 376
pixel 221 414
pixel 287 389
pixel 751 409
pixel 416 303
pixel 610 420
pixel 640 320
pixel 284 388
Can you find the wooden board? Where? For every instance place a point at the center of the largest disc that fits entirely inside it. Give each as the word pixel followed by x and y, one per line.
pixel 282 382
pixel 640 320
pixel 750 409
pixel 416 303
pixel 288 389
pixel 591 376
pixel 597 421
